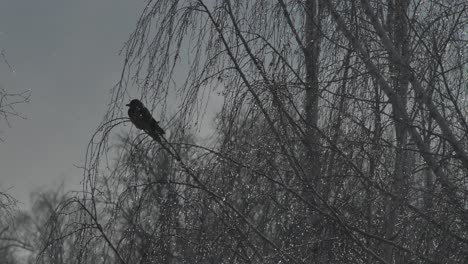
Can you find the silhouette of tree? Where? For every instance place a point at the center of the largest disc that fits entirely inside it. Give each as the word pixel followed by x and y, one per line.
pixel 339 138
pixel 10 100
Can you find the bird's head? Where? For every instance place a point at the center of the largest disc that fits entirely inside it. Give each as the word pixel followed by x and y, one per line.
pixel 135 103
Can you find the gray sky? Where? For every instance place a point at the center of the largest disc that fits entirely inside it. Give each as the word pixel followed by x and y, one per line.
pixel 66 53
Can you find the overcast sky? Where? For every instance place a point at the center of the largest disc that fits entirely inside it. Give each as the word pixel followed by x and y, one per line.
pixel 66 53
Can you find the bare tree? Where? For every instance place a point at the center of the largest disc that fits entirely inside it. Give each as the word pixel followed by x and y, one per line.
pixel 341 137
pixel 10 100
pixel 7 243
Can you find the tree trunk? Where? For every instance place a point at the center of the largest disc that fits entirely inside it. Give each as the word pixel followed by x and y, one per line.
pixel 312 38
pixel 311 101
pixel 399 33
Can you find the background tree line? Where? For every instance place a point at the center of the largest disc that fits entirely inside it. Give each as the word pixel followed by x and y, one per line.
pixel 341 138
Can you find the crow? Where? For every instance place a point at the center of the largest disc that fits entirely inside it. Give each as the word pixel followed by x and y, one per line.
pixel 143 120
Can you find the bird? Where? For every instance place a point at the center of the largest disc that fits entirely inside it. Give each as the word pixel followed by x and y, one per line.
pixel 134 113
pixel 143 120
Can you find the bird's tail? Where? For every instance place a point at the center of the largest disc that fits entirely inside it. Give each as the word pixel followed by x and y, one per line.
pixel 154 126
pixel 154 135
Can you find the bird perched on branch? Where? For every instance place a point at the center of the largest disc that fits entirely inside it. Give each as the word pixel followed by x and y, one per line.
pixel 142 119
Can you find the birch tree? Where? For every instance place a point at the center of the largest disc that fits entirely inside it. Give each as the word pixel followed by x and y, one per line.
pixel 340 136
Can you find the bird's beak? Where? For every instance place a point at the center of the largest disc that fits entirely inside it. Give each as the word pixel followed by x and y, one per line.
pixel 127 105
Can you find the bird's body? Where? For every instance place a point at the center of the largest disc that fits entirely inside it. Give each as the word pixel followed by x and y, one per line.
pixel 143 120
pixel 136 118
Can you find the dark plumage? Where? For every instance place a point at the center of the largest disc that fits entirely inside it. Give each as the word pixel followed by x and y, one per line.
pixel 135 116
pixel 142 119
